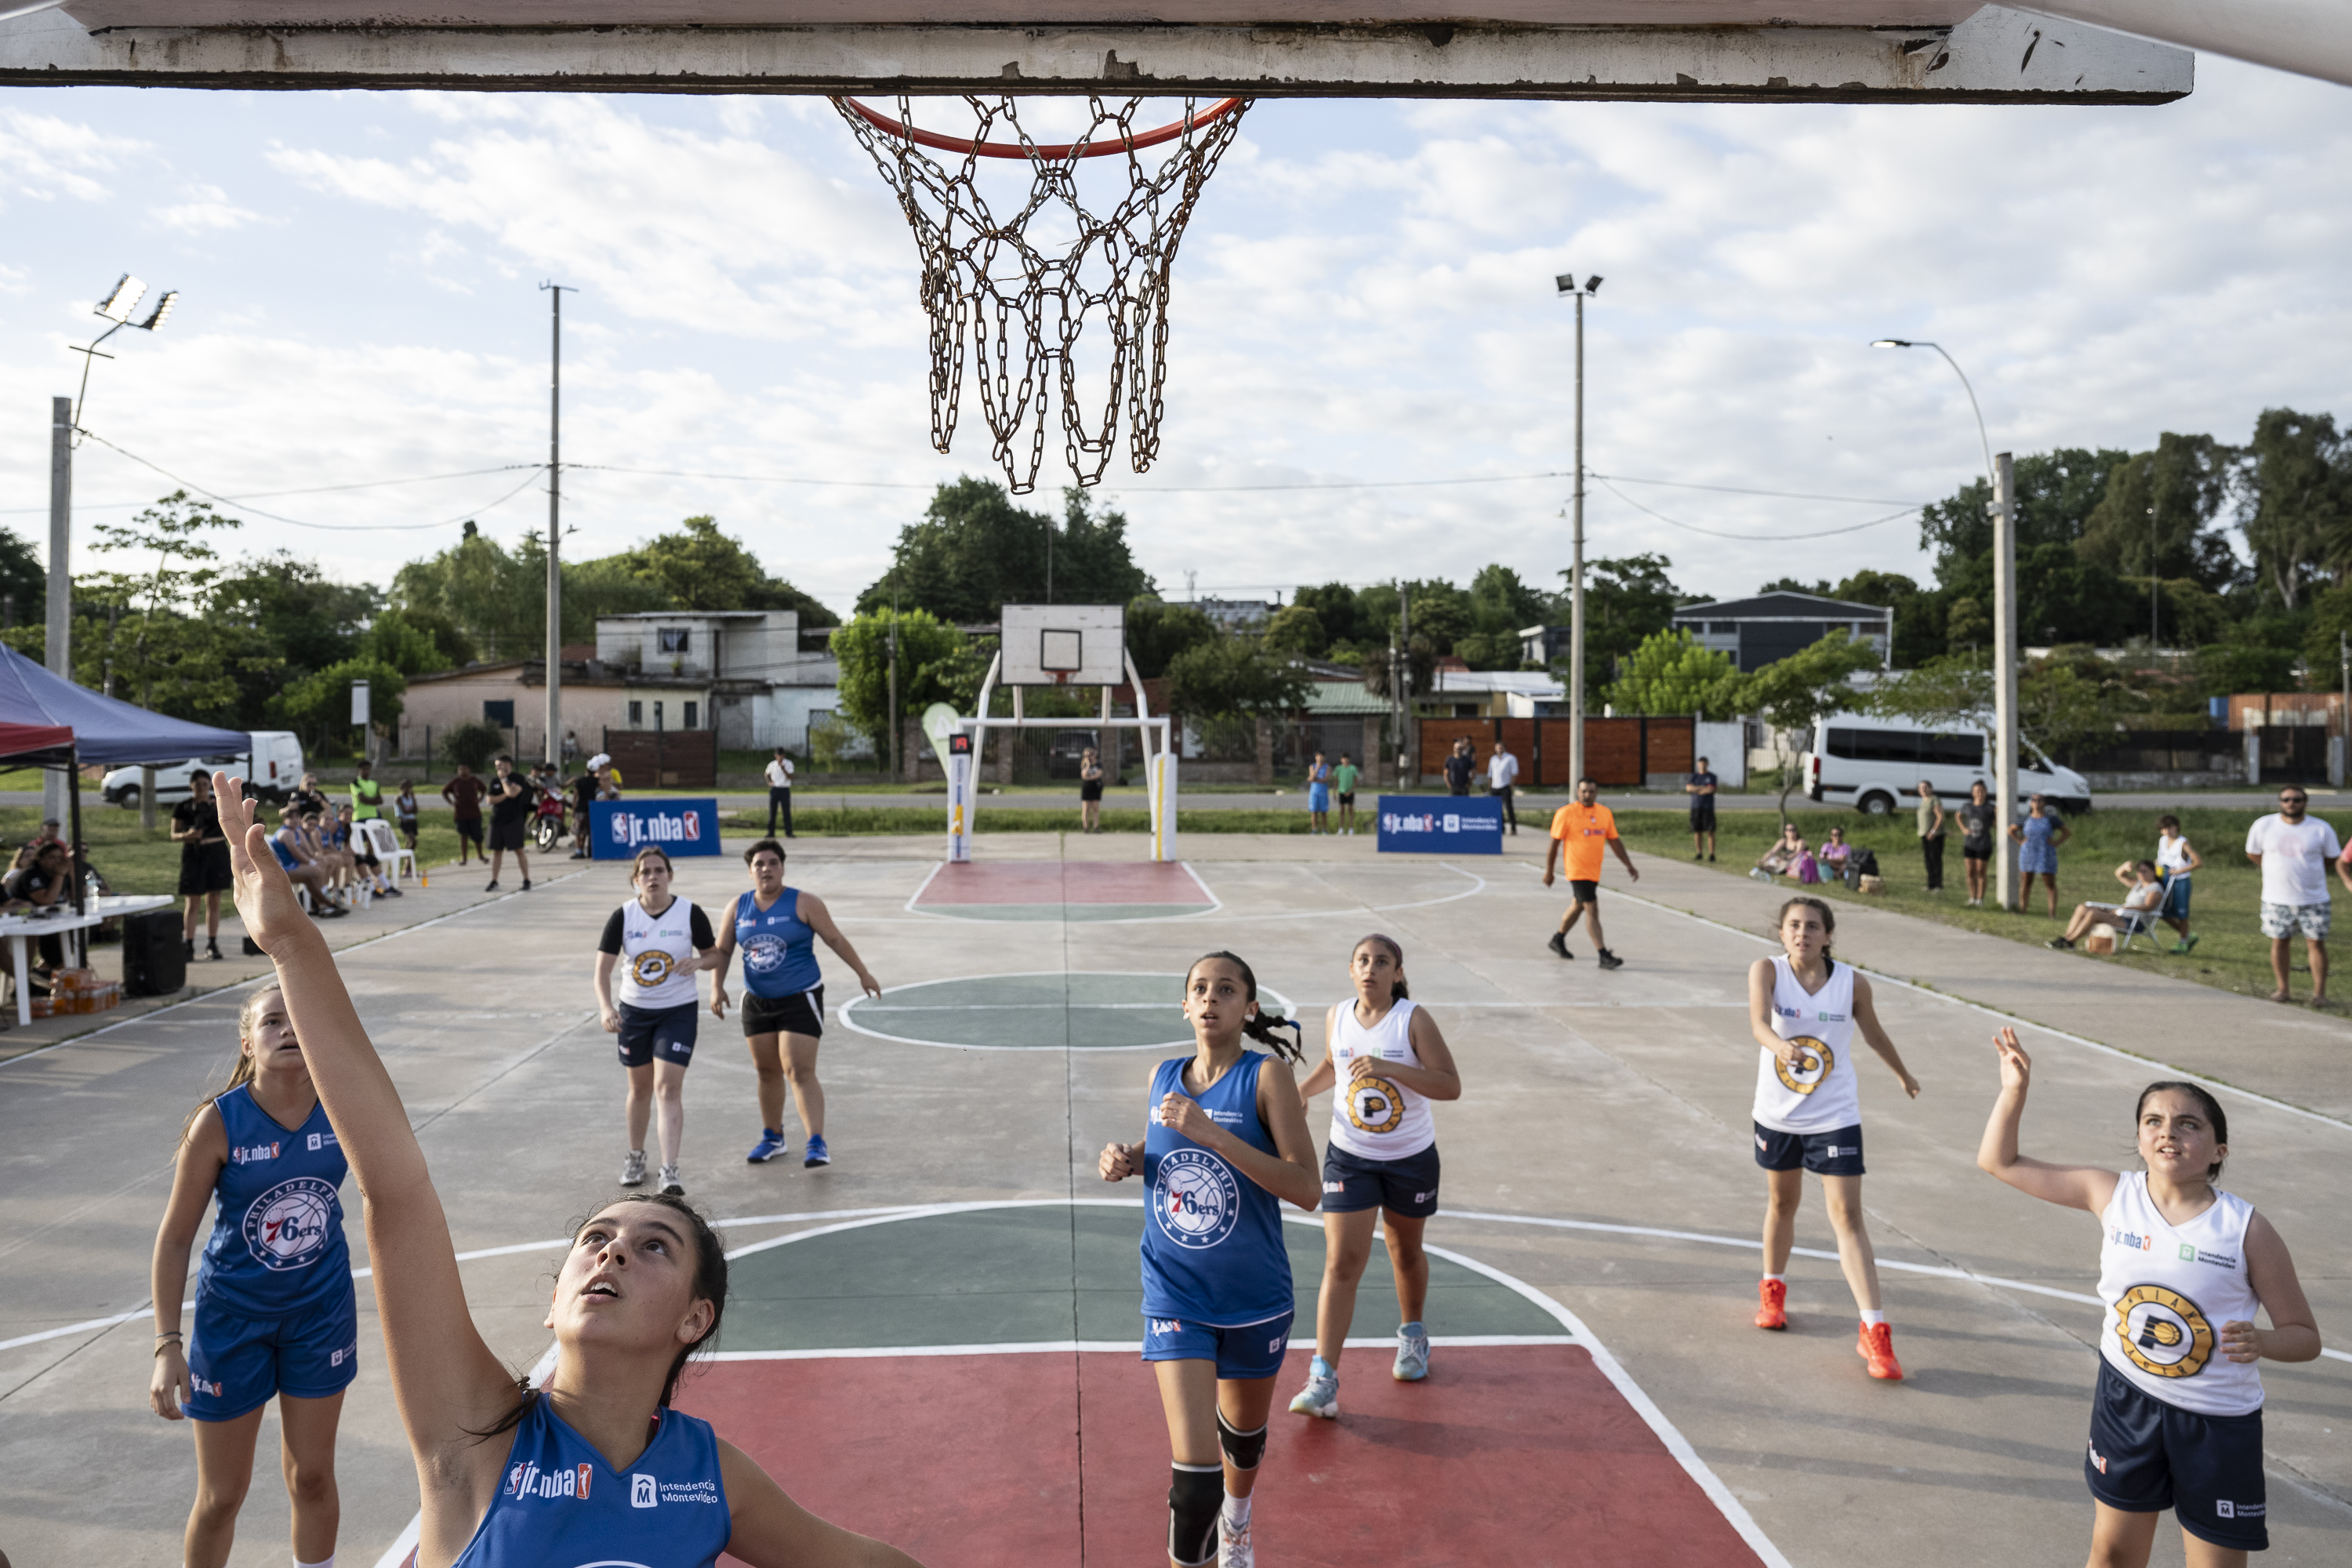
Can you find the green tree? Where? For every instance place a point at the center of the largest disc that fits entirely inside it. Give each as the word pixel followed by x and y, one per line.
pixel 1950 692
pixel 1440 613
pixel 323 699
pixel 1157 632
pixel 698 567
pixel 309 618
pixel 932 667
pixel 1626 599
pixel 1296 629
pixel 1346 618
pixel 976 551
pixel 497 598
pixel 2296 501
pixel 2056 492
pixel 1920 618
pixel 474 744
pixel 156 638
pixel 1670 673
pixel 1794 694
pixel 1233 677
pixel 2159 511
pixel 24 581
pixel 398 639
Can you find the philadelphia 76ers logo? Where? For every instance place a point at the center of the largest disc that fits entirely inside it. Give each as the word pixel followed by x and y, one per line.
pixel 288 1226
pixel 1195 1201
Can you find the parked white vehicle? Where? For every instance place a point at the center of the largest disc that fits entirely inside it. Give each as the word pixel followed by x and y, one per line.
pixel 277 769
pixel 1875 766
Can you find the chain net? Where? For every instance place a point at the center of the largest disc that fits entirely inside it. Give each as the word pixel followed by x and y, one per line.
pixel 1014 293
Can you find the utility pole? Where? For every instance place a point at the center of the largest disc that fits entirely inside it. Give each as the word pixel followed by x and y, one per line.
pixel 2343 714
pixel 2153 580
pixel 56 783
pixel 1408 766
pixel 555 292
pixel 890 752
pixel 1576 579
pixel 2004 674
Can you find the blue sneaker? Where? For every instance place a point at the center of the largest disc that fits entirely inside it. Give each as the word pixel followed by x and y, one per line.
pixel 816 1153
pixel 1412 1354
pixel 770 1144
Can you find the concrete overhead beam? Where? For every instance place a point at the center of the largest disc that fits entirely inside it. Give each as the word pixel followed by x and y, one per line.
pixel 2309 37
pixel 1996 56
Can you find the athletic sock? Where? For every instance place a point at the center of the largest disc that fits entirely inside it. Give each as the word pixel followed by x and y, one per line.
pixel 1412 1329
pixel 326 1562
pixel 1871 1320
pixel 1318 1367
pixel 1237 1510
pixel 1777 1278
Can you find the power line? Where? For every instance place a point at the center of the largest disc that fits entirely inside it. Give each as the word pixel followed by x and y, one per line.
pixel 306 490
pixel 1753 538
pixel 330 527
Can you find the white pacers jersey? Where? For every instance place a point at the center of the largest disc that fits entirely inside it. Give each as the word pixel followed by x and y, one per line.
pixel 1373 1118
pixel 2168 1289
pixel 1822 1093
pixel 652 949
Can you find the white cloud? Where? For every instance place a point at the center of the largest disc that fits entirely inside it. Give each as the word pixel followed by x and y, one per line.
pixel 211 210
pixel 44 157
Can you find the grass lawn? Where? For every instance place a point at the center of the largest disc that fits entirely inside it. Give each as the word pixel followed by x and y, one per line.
pixel 136 860
pixel 2232 952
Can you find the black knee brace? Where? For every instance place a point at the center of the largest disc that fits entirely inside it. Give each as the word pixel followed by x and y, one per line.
pixel 1194 1501
pixel 1244 1450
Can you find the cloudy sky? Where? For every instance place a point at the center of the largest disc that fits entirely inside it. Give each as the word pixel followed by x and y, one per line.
pixel 1366 295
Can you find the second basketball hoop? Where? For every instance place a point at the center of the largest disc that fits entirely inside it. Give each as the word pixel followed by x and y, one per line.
pixel 1014 294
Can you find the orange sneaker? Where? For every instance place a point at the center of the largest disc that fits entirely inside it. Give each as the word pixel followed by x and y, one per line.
pixel 1773 1307
pixel 1876 1346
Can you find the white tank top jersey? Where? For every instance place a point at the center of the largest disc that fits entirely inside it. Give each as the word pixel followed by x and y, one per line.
pixel 2172 855
pixel 1373 1118
pixel 652 949
pixel 1822 1093
pixel 2168 1289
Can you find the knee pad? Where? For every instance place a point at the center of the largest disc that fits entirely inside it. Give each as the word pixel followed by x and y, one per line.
pixel 1243 1448
pixel 1194 1501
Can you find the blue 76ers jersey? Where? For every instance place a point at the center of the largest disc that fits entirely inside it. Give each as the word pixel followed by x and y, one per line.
pixel 562 1506
pixel 277 1245
pixel 779 947
pixel 1213 1250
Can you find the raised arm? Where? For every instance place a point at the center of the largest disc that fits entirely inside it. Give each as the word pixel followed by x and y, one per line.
pixel 444 1377
pixel 820 921
pixel 2068 1187
pixel 1865 1018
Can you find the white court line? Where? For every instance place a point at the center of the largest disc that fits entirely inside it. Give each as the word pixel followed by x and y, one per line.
pixel 1478 887
pixel 1103 1347
pixel 848 1011
pixel 1214 903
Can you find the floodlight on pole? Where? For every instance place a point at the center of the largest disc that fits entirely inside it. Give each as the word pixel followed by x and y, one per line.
pixel 1566 284
pixel 120 302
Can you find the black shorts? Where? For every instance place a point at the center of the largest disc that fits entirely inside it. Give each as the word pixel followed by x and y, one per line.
pixel 1976 848
pixel 658 1034
pixel 1348 798
pixel 1837 1153
pixel 1703 817
pixel 1091 790
pixel 1352 1183
pixel 407 827
pixel 511 835
pixel 1585 892
pixel 800 1014
pixel 2145 1456
pixel 204 868
pixel 469 828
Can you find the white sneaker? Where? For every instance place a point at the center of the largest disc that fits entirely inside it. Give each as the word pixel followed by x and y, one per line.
pixel 633 1169
pixel 1234 1549
pixel 1319 1397
pixel 670 1186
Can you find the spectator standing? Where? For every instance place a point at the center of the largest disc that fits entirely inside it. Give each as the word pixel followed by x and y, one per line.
pixel 2175 860
pixel 1319 794
pixel 510 804
pixel 1578 831
pixel 2294 848
pixel 779 792
pixel 1343 785
pixel 464 794
pixel 1459 765
pixel 1700 787
pixel 1090 788
pixel 1931 836
pixel 367 795
pixel 1502 772
pixel 2041 833
pixel 205 871
pixel 1977 819
pixel 584 792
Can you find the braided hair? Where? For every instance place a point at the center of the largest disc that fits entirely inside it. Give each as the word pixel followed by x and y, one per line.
pixel 1262 1027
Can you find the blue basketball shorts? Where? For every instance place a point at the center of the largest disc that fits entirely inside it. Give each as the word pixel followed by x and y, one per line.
pixel 1248 1351
pixel 2145 1456
pixel 1837 1153
pixel 658 1034
pixel 1406 1186
pixel 235 1365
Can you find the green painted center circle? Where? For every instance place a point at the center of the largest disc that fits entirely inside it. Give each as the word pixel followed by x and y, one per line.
pixel 1049 1012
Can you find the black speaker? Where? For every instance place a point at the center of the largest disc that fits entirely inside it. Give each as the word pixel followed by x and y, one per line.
pixel 154 963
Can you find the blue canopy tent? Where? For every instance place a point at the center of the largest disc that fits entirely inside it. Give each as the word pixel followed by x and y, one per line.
pixel 43 709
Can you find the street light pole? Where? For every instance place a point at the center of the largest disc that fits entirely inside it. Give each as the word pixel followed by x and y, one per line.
pixel 555 292
pixel 1565 283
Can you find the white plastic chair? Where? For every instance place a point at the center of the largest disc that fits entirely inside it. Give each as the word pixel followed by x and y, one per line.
pixel 388 850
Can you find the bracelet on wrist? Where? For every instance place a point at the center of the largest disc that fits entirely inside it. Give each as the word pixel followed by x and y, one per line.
pixel 169 1334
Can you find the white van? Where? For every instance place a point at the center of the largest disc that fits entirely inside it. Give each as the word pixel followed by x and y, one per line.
pixel 277 769
pixel 1876 765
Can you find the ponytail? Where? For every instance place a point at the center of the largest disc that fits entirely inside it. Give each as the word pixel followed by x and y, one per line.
pixel 1262 1027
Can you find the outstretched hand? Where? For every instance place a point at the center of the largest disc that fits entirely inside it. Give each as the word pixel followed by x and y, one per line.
pixel 2016 1067
pixel 265 895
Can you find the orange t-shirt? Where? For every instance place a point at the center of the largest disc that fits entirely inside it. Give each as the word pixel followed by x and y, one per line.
pixel 1584 832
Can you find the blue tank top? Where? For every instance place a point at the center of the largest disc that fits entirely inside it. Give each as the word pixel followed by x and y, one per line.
pixel 1213 1250
pixel 779 947
pixel 276 1247
pixel 561 1504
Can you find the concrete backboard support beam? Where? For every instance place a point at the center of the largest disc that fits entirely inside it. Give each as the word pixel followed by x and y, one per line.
pixel 1996 56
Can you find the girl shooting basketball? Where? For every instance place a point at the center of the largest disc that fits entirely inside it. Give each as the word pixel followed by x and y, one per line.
pixel 594 1465
pixel 276 1314
pixel 1382 1163
pixel 2177 1421
pixel 1225 1146
pixel 1803 1008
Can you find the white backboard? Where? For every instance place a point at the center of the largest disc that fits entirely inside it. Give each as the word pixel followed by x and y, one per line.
pixel 1064 645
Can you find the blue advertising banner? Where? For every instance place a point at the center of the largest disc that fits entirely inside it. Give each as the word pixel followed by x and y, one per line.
pixel 1442 825
pixel 619 828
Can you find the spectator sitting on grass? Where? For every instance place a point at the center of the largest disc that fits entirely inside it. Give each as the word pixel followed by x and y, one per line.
pixel 2146 894
pixel 1835 855
pixel 1780 860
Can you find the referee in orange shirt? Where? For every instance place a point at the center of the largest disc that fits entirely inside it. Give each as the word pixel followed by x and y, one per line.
pixel 1583 827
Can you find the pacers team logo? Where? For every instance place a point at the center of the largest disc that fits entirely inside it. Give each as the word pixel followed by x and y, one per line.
pixel 651 967
pixel 288 1226
pixel 1374 1105
pixel 1194 1198
pixel 1814 1061
pixel 2163 1331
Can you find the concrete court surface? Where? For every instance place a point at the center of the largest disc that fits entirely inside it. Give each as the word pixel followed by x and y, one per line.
pixel 1603 1136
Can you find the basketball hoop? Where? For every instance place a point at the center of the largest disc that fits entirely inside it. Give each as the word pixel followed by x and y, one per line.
pixel 1023 327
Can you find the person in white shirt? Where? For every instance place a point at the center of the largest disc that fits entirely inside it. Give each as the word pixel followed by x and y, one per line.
pixel 780 794
pixel 2293 850
pixel 1502 772
pixel 2147 892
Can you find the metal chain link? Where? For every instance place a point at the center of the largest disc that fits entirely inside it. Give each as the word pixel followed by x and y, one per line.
pixel 1021 331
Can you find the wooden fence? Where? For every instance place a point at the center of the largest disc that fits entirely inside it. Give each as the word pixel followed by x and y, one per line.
pixel 1618 753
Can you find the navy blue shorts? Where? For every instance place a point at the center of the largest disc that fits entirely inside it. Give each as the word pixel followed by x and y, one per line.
pixel 658 1034
pixel 236 1363
pixel 2145 1456
pixel 1251 1351
pixel 1837 1153
pixel 1352 1183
